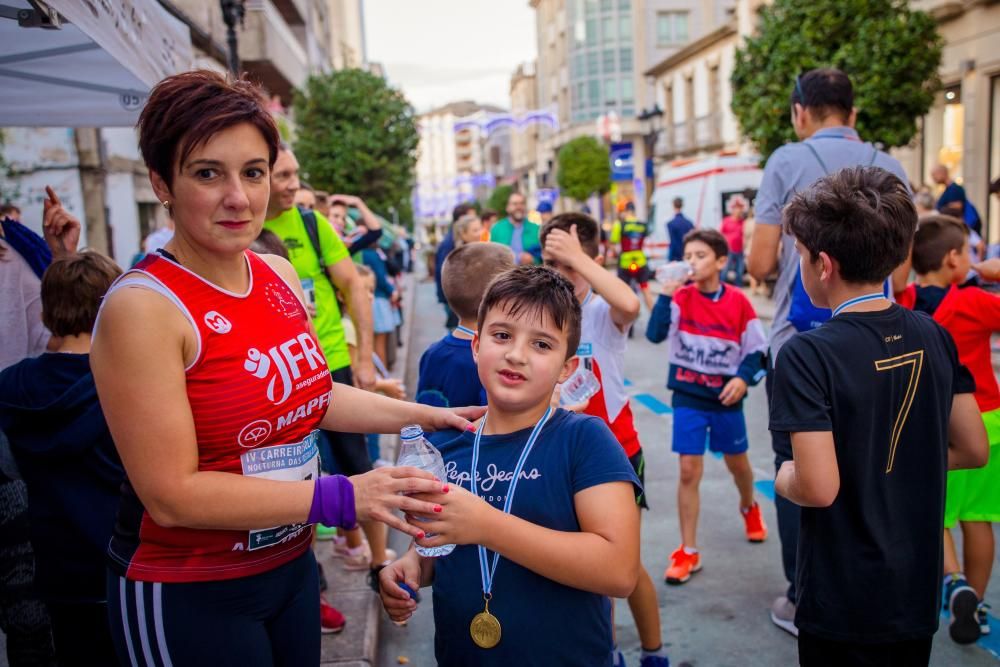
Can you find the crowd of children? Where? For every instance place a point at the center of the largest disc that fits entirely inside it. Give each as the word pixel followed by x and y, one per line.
pixel 879 405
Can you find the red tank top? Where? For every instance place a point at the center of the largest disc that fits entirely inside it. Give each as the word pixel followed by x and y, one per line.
pixel 258 388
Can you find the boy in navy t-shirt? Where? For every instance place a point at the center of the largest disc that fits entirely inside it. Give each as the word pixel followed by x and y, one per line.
pixel 878 408
pixel 570 513
pixel 448 376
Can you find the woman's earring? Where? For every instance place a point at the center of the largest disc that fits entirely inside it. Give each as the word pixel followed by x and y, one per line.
pixel 166 205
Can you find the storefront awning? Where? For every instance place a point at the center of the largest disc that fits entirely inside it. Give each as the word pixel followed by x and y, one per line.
pixel 94 70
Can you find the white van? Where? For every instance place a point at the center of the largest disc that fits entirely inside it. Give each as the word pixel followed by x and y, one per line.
pixel 706 186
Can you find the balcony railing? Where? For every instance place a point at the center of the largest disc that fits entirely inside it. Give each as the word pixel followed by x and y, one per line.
pixel 707 131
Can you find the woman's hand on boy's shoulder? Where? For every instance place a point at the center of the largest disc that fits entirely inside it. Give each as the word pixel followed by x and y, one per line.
pixel 442 419
pixel 989 270
pixel 465 518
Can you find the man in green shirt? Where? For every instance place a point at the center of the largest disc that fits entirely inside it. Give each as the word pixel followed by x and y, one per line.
pixel 517 232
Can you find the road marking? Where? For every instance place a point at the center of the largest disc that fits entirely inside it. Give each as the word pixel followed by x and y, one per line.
pixel 654 404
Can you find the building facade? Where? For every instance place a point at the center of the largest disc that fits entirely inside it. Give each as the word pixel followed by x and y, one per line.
pixel 962 129
pixel 461 157
pixel 524 143
pixel 592 62
pixel 100 171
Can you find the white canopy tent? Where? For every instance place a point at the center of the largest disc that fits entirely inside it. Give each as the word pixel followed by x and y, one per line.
pixel 92 66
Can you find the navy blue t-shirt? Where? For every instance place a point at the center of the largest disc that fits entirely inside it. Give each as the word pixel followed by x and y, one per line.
pixel 448 375
pixel 543 622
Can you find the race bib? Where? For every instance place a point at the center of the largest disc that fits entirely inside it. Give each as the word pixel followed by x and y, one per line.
pixel 295 462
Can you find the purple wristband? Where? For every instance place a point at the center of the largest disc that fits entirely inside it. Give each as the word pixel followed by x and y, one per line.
pixel 333 502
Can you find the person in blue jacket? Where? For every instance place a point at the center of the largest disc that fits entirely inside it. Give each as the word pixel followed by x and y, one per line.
pixel 61 444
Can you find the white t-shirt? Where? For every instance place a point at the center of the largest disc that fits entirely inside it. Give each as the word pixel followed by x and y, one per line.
pixel 601 341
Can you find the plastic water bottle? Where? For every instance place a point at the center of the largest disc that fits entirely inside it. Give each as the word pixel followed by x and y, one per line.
pixel 416 451
pixel 672 271
pixel 579 387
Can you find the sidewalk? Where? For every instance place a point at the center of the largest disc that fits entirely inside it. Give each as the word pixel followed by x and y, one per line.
pixel 348 591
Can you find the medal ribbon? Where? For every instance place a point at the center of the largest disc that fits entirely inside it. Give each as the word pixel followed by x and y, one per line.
pixel 465 330
pixel 856 300
pixel 487 574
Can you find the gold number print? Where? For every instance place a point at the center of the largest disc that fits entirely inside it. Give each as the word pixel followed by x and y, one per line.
pixel 915 360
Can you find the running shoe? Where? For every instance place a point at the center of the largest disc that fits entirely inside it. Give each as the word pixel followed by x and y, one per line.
pixel 783 615
pixel 331 621
pixel 655 661
pixel 962 604
pixel 754 521
pixel 324 533
pixel 340 547
pixel 983 616
pixel 682 566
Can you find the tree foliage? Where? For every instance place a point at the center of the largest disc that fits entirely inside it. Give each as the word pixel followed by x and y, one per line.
pixel 356 135
pixel 498 199
pixel 584 168
pixel 890 52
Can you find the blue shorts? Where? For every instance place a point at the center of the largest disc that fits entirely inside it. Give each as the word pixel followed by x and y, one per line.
pixel 724 430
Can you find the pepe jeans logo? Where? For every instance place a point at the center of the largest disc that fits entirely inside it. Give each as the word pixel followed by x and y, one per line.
pixel 486 481
pixel 282 365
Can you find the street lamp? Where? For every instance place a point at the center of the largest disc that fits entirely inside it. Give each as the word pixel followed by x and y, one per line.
pixel 232 13
pixel 654 116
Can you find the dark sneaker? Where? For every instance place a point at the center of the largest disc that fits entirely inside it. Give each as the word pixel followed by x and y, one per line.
pixel 655 661
pixel 962 604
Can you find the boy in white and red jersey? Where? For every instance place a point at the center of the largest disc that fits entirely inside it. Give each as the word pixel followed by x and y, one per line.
pixel 717 347
pixel 571 246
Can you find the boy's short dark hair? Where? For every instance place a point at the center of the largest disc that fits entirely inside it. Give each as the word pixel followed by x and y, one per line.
pixel 678 202
pixel 825 92
pixel 461 210
pixel 269 243
pixel 488 214
pixel 468 271
pixel 72 289
pixel 936 236
pixel 713 238
pixel 861 216
pixel 536 290
pixel 586 230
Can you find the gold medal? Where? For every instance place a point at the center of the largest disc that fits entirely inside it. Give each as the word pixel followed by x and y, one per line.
pixel 485 628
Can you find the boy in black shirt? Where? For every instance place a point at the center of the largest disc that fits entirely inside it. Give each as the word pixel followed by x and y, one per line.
pixel 878 409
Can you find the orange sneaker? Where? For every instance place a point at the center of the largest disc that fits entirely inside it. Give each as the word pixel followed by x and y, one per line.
pixel 682 566
pixel 754 520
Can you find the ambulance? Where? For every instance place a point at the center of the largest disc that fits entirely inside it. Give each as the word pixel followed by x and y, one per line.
pixel 707 186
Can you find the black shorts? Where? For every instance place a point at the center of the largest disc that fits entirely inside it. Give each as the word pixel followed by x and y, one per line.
pixel 818 652
pixel 640 277
pixel 638 461
pixel 269 619
pixel 347 453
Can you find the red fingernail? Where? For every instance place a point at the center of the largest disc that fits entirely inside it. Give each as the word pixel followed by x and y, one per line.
pixel 471 428
pixel 444 489
pixel 420 535
pixel 438 508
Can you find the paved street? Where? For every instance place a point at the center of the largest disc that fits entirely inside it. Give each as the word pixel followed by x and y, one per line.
pixel 720 617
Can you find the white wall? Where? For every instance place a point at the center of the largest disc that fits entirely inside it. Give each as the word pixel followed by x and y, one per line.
pixel 44 156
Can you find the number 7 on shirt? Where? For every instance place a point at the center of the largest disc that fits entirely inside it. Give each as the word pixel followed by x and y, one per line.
pixel 915 360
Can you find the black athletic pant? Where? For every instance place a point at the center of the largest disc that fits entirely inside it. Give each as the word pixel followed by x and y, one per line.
pixel 788 512
pixel 817 652
pixel 81 634
pixel 265 620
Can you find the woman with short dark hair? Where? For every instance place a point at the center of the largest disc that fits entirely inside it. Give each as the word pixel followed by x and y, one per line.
pixel 214 386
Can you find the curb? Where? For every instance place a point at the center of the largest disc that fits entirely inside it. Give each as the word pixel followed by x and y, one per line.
pixel 357 645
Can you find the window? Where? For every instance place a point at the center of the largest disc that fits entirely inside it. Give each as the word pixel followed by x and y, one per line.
pixel 610 92
pixel 625 60
pixel 671 28
pixel 627 92
pixel 594 92
pixel 609 61
pixel 625 4
pixel 593 65
pixel 606 5
pixel 608 29
pixel 591 31
pixel 625 28
pixel 578 65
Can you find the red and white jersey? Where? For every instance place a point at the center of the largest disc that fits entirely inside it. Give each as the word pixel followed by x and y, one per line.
pixel 258 388
pixel 602 351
